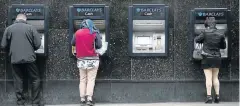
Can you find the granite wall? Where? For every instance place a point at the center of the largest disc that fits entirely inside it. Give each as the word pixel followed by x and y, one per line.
pixel 118 69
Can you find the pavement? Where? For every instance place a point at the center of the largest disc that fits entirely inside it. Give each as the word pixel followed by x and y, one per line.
pixel 162 104
pixel 145 104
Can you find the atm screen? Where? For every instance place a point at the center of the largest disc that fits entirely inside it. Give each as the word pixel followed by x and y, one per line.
pixel 41 49
pixel 143 40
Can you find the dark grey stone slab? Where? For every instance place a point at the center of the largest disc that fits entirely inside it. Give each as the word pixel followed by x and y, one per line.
pixel 61 92
pixel 59 12
pixel 8 94
pixel 102 92
pixel 234 7
pixel 107 2
pixel 193 92
pixel 67 92
pixel 2 66
pixel 46 2
pixel 228 91
pixel 235 54
pixel 3 13
pixel 59 63
pixel 235 92
pixel 196 92
pixel 152 68
pixel 2 58
pixel 118 28
pixel 120 68
pixel 142 92
pixel 2 91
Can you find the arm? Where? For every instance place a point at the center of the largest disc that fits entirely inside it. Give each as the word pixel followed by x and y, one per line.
pixel 73 42
pixel 36 39
pixel 98 41
pixel 199 38
pixel 5 39
pixel 223 43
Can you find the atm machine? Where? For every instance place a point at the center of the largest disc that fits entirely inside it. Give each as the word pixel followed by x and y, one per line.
pixel 99 13
pixel 223 23
pixel 148 30
pixel 37 15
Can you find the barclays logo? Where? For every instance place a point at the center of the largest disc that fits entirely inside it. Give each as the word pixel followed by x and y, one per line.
pixel 78 9
pixel 200 14
pixel 89 10
pixel 210 14
pixel 138 9
pixel 17 10
pixel 28 10
pixel 149 9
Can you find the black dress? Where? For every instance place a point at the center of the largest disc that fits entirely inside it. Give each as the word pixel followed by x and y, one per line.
pixel 212 41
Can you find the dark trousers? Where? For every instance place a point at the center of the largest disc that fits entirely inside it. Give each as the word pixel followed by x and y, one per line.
pixel 31 72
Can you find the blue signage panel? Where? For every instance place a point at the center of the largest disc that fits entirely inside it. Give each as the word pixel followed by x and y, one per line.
pixel 202 14
pixel 29 11
pixel 88 11
pixel 157 12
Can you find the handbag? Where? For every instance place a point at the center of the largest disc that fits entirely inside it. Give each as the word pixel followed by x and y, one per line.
pixel 197 53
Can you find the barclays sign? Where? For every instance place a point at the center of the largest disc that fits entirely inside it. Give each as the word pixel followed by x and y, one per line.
pixel 210 14
pixel 28 10
pixel 89 10
pixel 149 9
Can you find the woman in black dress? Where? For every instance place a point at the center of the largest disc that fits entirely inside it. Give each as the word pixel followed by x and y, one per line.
pixel 212 41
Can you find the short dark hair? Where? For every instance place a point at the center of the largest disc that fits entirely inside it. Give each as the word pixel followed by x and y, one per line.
pixel 210 22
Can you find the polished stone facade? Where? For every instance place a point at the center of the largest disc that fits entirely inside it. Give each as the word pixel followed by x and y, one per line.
pixel 118 66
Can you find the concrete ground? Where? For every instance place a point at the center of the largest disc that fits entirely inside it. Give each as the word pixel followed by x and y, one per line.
pixel 162 104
